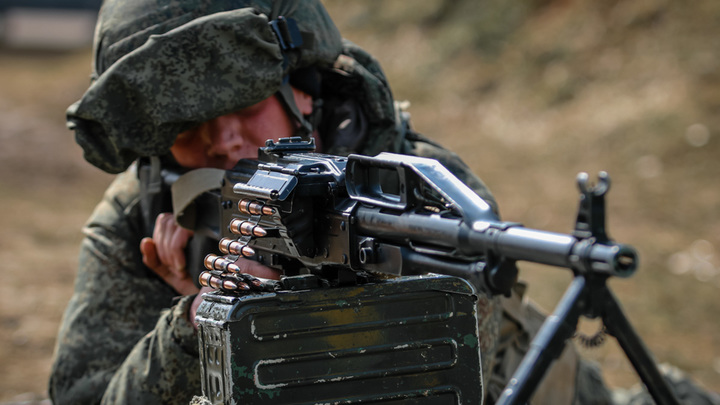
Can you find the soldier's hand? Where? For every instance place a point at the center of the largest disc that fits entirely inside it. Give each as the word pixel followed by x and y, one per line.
pixel 164 253
pixel 246 266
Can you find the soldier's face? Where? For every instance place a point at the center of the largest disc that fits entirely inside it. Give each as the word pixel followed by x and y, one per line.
pixel 222 141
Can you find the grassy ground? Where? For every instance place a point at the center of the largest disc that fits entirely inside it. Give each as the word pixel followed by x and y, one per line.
pixel 528 94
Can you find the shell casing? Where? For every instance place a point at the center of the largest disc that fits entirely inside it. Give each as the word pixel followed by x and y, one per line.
pixel 236 226
pixel 204 278
pixel 208 280
pixel 213 262
pixel 244 206
pixel 209 261
pixel 233 247
pixel 250 207
pixel 215 282
pixel 223 245
pixel 247 228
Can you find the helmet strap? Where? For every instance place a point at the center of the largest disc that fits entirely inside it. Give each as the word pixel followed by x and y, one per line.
pixel 286 96
pixel 291 40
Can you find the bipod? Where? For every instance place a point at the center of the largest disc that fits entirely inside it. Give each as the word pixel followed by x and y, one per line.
pixel 589 296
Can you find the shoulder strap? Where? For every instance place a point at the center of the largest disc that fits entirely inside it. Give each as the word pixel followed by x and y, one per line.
pixel 153 199
pixel 186 190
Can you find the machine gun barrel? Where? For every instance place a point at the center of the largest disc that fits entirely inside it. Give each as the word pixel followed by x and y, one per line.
pixel 556 249
pixel 500 240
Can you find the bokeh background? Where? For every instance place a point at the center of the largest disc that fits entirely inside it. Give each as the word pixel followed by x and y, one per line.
pixel 529 93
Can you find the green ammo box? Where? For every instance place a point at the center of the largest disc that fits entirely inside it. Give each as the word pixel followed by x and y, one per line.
pixel 409 340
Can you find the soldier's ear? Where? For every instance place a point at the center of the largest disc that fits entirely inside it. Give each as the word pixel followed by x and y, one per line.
pixel 303 101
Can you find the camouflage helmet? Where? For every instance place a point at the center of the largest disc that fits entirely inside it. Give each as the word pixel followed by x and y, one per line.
pixel 162 67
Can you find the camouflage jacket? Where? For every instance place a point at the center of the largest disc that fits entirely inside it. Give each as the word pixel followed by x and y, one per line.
pixel 121 339
pixel 125 336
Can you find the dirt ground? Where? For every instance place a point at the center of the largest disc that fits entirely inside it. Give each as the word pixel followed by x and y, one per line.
pixel 46 193
pixel 639 101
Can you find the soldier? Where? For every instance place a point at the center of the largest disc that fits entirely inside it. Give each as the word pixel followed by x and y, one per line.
pixel 200 83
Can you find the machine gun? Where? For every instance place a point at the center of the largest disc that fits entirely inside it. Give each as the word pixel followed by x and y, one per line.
pixel 366 310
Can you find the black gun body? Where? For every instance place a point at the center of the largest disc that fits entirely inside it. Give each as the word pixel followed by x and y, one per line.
pixel 333 216
pixel 406 228
pixel 318 224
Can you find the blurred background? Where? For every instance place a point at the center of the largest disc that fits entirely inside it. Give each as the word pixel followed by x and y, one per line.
pixel 529 93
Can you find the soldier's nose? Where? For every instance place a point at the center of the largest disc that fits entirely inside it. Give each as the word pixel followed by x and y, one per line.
pixel 226 137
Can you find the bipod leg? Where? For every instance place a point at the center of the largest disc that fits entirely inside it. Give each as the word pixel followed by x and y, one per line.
pixel 618 325
pixel 547 346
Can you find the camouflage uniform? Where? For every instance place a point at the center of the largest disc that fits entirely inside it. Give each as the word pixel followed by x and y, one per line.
pixel 119 342
pixel 122 340
pixel 163 68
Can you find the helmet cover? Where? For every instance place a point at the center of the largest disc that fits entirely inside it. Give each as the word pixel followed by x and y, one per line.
pixel 151 85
